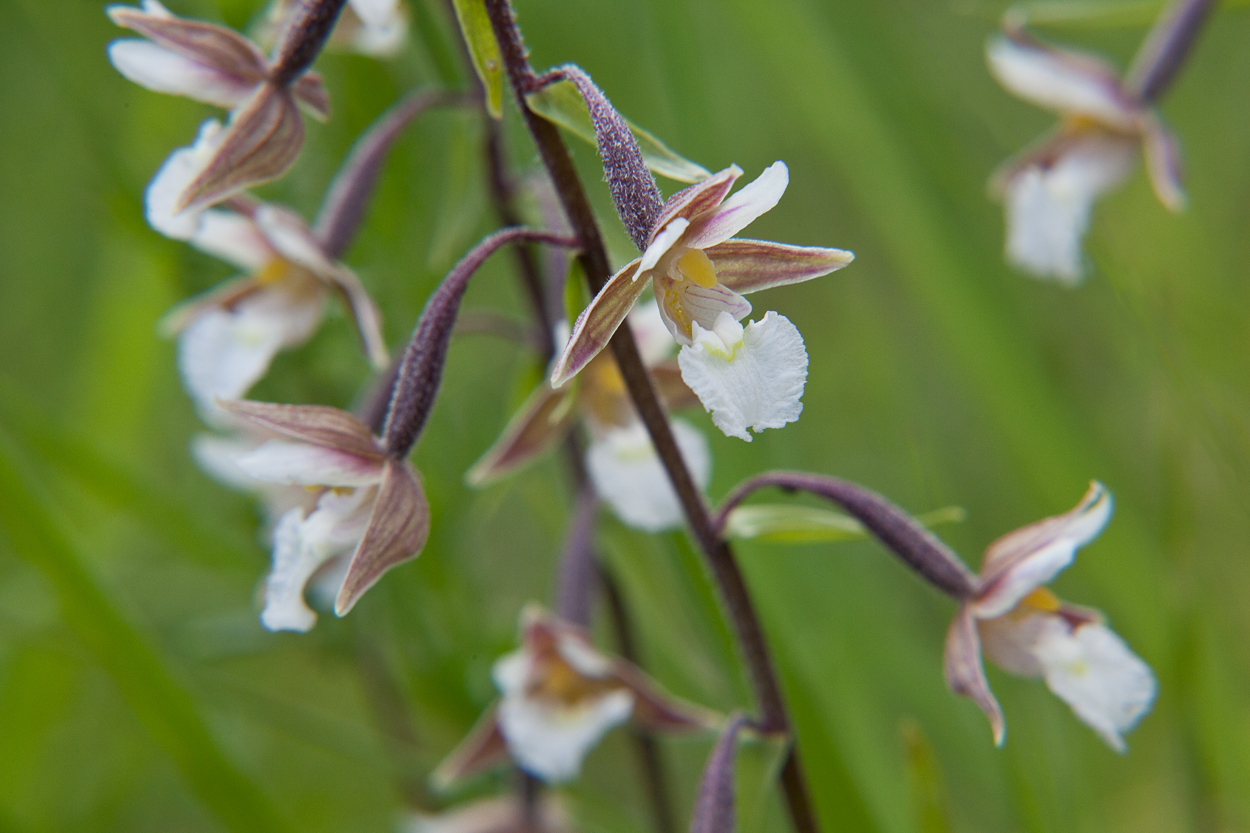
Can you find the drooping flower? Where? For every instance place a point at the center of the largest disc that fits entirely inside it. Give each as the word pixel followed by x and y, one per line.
pixel 228 336
pixel 622 463
pixel 1026 630
pixel 1049 189
pixel 560 696
pixel 748 377
pixel 218 66
pixel 377 28
pixel 367 503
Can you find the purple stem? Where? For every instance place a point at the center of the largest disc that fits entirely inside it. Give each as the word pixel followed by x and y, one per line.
pixel 898 531
pixel 348 195
pixel 302 38
pixel 1165 49
pixel 579 572
pixel 714 806
pixel 422 367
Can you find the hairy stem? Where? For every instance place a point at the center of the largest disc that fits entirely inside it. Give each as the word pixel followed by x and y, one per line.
pixel 310 25
pixel 734 594
pixel 902 534
pixel 1165 49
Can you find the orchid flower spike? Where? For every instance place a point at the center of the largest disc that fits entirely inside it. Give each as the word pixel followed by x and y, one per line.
pixel 559 697
pixel 1026 630
pixel 228 336
pixel 377 28
pixel 625 470
pixel 1048 190
pixel 750 376
pixel 218 66
pixel 368 503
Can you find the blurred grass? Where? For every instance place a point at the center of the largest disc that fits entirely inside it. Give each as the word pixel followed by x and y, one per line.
pixel 137 689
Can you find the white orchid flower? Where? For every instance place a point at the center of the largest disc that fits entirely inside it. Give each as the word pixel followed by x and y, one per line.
pixel 1049 190
pixel 228 336
pixel 700 272
pixel 1026 630
pixel 367 504
pixel 622 463
pixel 559 697
pixel 218 66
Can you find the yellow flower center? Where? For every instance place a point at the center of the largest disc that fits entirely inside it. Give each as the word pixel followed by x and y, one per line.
pixel 697 267
pixel 561 682
pixel 272 272
pixel 1043 600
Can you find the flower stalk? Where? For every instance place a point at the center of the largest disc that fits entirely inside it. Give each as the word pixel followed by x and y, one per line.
pixel 739 607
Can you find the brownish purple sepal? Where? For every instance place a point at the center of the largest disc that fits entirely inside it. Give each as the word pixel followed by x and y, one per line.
pixel 318 425
pixel 261 143
pixel 965 673
pixel 397 531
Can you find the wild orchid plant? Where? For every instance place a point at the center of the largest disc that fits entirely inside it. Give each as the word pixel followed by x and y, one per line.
pixel 345 503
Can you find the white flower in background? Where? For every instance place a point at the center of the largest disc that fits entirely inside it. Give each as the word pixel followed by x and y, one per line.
pixel 700 271
pixel 1049 190
pixel 559 697
pixel 228 336
pixel 218 66
pixel 364 503
pixel 1026 630
pixel 378 28
pixel 625 470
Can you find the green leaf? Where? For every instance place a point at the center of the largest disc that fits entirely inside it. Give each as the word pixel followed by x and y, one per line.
pixel 483 49
pixel 160 702
pixel 924 780
pixel 562 104
pixel 463 199
pixel 789 523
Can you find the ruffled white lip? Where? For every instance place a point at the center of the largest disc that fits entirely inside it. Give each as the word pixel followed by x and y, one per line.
pixel 750 377
pixel 628 475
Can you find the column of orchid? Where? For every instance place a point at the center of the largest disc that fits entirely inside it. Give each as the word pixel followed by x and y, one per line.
pixel 345 504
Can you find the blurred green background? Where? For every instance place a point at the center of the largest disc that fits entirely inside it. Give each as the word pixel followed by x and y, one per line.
pixel 138 691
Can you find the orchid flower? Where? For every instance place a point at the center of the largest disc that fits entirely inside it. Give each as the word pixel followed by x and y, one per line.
pixel 625 470
pixel 750 376
pixel 228 336
pixel 377 28
pixel 1027 631
pixel 560 696
pixel 368 503
pixel 216 65
pixel 1049 189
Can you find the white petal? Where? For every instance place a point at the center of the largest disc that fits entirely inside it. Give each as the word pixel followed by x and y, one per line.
pixel 659 247
pixel 628 475
pixel 704 304
pixel 304 464
pixel 293 564
pixel 234 238
pixel 511 671
pixel 375 12
pixel 291 238
pixel 180 168
pixel 223 352
pixel 655 342
pixel 218 456
pixel 1024 560
pixel 1091 669
pixel 164 71
pixel 1061 81
pixel 747 378
pixel 582 658
pixel 1010 641
pixel 1048 208
pixel 549 740
pixel 302 545
pixel 740 210
pixel 383 39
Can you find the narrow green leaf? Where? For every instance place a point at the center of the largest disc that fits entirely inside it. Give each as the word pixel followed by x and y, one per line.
pixel 562 104
pixel 158 700
pixel 924 781
pixel 789 523
pixel 483 49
